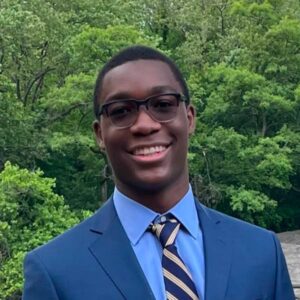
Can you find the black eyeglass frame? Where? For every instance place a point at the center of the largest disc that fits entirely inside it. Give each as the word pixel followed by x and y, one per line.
pixel 143 102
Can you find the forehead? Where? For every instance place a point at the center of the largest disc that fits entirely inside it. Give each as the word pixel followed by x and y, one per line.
pixel 139 79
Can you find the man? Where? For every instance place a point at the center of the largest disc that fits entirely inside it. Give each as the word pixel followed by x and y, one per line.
pixel 152 239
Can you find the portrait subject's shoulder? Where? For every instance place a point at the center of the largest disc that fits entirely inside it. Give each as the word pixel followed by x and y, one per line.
pixel 79 236
pixel 236 228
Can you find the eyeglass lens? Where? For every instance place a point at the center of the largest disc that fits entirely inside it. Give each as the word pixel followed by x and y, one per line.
pixel 161 108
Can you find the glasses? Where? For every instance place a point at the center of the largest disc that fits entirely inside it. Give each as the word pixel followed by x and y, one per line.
pixel 161 108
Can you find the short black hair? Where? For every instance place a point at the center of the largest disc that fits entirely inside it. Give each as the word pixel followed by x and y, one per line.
pixel 133 53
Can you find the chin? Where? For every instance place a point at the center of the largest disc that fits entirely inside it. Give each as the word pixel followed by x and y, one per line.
pixel 150 182
pixel 150 187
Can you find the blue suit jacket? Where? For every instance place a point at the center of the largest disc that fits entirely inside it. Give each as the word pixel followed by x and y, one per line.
pixel 94 260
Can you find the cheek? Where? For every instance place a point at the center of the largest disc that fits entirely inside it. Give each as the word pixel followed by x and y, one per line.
pixel 114 146
pixel 182 130
pixel 109 135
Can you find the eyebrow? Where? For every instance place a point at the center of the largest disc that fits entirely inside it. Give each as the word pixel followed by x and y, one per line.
pixel 153 91
pixel 163 89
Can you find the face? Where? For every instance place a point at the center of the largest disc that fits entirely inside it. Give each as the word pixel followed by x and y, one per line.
pixel 147 156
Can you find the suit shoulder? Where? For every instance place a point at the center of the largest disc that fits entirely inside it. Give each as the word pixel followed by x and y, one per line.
pixel 70 235
pixel 78 236
pixel 236 226
pixel 243 236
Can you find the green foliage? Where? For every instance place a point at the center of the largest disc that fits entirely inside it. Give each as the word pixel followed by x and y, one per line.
pixel 270 161
pixel 283 63
pixel 253 206
pixel 32 34
pixel 30 214
pixel 92 47
pixel 233 161
pixel 246 101
pixel 19 139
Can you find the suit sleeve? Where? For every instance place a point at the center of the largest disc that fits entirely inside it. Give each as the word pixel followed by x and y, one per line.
pixel 38 284
pixel 283 286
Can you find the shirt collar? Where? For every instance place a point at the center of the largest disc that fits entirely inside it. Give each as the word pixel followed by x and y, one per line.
pixel 186 213
pixel 135 218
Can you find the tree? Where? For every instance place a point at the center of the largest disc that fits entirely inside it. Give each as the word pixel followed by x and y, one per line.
pixel 246 98
pixel 19 140
pixel 246 101
pixel 30 214
pixel 32 34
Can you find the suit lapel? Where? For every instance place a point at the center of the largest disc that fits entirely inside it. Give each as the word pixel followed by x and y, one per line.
pixel 113 252
pixel 217 253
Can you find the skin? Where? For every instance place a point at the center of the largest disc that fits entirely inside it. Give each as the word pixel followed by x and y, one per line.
pixel 160 180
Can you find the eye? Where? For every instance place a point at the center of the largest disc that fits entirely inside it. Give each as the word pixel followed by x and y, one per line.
pixel 120 109
pixel 163 103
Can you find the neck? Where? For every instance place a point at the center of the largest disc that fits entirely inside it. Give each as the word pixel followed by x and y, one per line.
pixel 159 200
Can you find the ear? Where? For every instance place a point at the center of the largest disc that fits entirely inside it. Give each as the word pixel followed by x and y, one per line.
pixel 191 115
pixel 98 135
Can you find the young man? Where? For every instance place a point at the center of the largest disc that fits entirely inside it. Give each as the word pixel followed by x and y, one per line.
pixel 152 239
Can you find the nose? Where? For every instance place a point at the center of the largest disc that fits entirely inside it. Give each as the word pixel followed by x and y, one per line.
pixel 144 124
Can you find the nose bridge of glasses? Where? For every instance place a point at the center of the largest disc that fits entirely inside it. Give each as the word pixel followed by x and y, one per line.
pixel 142 106
pixel 143 115
pixel 142 109
pixel 144 103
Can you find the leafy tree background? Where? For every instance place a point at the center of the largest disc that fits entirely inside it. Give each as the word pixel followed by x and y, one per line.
pixel 242 63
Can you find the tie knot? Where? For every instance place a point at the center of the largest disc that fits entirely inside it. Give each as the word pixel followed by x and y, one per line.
pixel 166 232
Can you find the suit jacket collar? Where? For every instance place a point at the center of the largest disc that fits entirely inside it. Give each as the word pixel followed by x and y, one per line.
pixel 113 251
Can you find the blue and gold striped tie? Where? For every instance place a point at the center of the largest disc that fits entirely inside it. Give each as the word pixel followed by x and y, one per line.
pixel 178 280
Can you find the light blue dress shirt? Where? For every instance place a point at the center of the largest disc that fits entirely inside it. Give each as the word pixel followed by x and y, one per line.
pixel 135 218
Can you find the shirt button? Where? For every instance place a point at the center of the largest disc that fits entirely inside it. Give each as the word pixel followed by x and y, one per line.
pixel 163 219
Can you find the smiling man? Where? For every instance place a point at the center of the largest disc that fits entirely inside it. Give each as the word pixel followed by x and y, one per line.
pixel 148 155
pixel 152 239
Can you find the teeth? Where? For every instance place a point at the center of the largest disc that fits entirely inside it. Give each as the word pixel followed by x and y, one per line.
pixel 149 150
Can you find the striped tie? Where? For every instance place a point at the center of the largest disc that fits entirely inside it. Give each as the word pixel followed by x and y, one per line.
pixel 178 280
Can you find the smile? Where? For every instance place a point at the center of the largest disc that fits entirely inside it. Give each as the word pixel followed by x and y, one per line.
pixel 145 151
